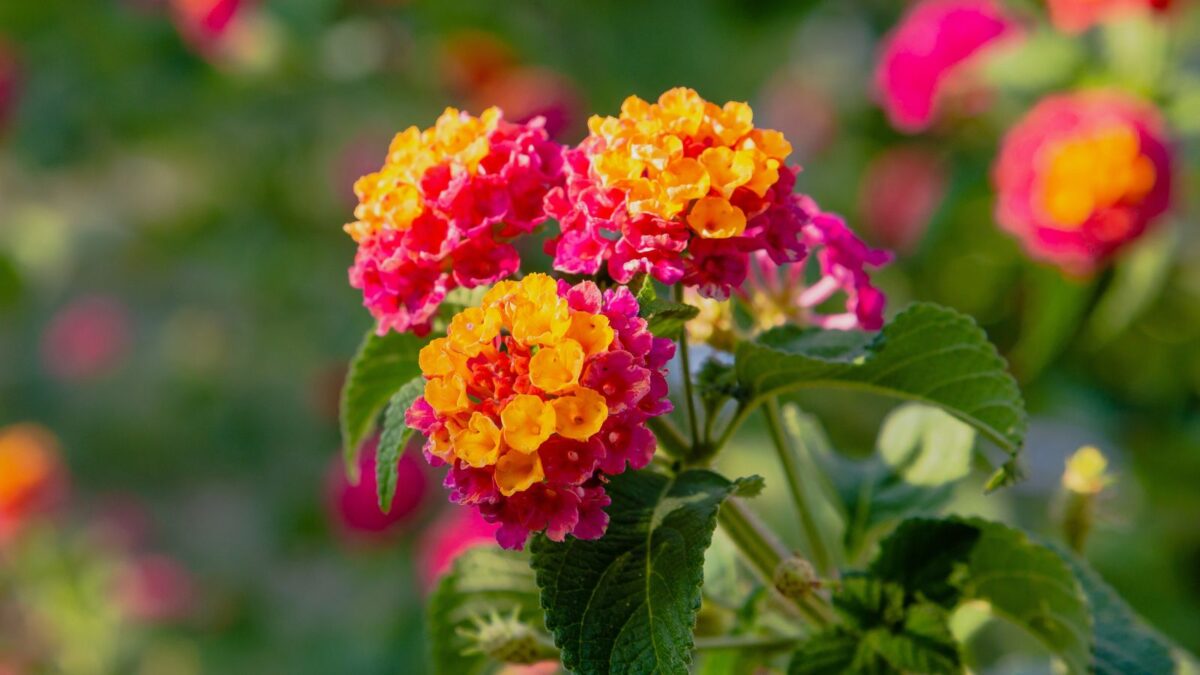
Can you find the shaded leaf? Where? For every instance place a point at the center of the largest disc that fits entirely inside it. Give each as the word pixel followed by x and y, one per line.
pixel 382 365
pixel 665 318
pixel 927 354
pixel 482 580
pixel 627 602
pixel 393 440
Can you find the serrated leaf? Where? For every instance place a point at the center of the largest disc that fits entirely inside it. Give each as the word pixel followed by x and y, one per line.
pixel 957 559
pixel 380 367
pixel 749 486
pixel 665 318
pixel 482 580
pixel 626 602
pixel 1123 643
pixel 882 634
pixel 393 440
pixel 928 354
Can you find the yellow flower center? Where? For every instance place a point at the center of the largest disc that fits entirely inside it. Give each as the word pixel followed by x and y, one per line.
pixel 1098 170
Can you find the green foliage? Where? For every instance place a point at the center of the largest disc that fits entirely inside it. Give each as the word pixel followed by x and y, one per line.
pixel 382 365
pixel 883 632
pixel 482 582
pixel 1123 643
pixel 928 354
pixel 627 602
pixel 953 560
pixel 665 318
pixel 394 439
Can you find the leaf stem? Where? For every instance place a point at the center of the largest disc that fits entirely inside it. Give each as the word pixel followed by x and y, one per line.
pixel 764 551
pixel 791 470
pixel 667 434
pixel 685 361
pixel 768 643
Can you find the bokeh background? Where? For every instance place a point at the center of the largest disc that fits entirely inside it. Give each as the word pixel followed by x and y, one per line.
pixel 175 315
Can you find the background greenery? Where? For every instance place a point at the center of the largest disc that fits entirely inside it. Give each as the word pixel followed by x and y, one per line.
pixel 203 189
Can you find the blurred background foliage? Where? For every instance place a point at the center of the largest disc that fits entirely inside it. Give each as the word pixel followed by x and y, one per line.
pixel 174 305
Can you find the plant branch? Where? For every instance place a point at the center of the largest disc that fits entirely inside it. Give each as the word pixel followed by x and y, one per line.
pixel 685 361
pixel 767 643
pixel 791 470
pixel 667 434
pixel 764 551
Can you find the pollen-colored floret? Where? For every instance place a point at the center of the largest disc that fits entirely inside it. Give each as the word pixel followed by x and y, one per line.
pixel 534 396
pixel 646 186
pixel 1081 176
pixel 443 209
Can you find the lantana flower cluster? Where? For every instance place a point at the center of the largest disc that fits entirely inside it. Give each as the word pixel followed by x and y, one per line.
pixel 537 395
pixel 1081 175
pixel 443 210
pixel 681 189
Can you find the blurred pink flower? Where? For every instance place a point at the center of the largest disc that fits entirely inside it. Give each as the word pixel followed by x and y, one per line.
pixel 801 110
pixel 355 508
pixel 33 479
pixel 1076 16
pixel 87 338
pixel 10 76
pixel 934 42
pixel 528 92
pixel 154 589
pixel 902 188
pixel 202 23
pixel 472 58
pixel 457 530
pixel 1082 175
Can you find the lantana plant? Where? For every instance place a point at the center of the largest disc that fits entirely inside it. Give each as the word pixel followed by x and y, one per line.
pixel 577 414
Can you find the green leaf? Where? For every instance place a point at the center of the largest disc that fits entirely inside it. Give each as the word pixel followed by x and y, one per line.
pixel 382 365
pixel 483 580
pixel 749 486
pixel 1052 310
pixel 882 634
pixel 665 318
pixel 953 560
pixel 393 440
pixel 627 602
pixel 927 354
pixel 1124 643
pixel 642 287
pixel 925 445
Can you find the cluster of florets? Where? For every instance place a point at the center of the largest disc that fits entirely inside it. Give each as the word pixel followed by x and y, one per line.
pixel 442 210
pixel 535 396
pixel 681 189
pixel 1081 176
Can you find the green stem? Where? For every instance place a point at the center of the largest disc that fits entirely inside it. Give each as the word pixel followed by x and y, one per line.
pixel 767 643
pixel 685 361
pixel 791 470
pixel 670 437
pixel 764 551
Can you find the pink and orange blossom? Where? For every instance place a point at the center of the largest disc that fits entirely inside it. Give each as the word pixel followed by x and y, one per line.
pixel 537 395
pixel 1081 176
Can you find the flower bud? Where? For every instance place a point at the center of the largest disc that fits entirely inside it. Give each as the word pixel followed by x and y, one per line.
pixel 795 578
pixel 508 639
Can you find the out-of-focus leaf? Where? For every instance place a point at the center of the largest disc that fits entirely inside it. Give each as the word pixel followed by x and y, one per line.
pixel 1137 280
pixel 1053 309
pixel 925 445
pixel 626 602
pixel 382 365
pixel 482 581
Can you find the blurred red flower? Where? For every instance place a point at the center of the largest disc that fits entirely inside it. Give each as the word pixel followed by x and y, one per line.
pixel 902 188
pixel 1082 175
pixel 87 338
pixel 457 530
pixel 1076 16
pixel 355 508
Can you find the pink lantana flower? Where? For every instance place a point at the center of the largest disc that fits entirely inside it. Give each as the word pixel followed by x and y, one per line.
pixel 355 508
pixel 934 42
pixel 443 210
pixel 1081 176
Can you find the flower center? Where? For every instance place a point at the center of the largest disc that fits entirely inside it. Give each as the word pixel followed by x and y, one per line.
pixel 1097 170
